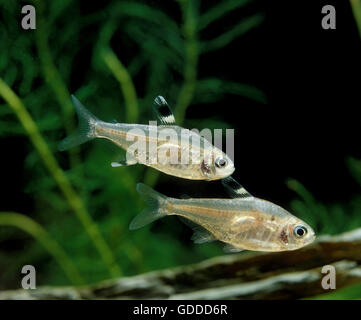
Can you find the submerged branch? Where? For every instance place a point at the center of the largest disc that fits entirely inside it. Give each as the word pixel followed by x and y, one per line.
pixel 251 275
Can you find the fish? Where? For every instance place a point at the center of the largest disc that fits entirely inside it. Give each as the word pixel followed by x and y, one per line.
pixel 242 222
pixel 204 162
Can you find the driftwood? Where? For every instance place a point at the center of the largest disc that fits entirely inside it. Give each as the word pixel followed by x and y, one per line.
pixel 249 275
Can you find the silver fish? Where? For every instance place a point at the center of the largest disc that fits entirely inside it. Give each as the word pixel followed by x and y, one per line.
pixel 244 222
pixel 206 162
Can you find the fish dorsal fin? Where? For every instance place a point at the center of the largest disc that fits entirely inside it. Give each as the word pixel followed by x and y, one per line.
pixel 200 235
pixel 229 248
pixel 163 112
pixel 234 189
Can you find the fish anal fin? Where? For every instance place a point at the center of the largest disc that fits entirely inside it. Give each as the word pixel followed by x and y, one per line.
pixel 229 248
pixel 200 234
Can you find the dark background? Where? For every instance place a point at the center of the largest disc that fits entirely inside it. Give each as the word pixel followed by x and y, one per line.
pixel 312 120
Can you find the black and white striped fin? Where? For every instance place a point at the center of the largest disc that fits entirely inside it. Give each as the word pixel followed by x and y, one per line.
pixel 234 189
pixel 163 112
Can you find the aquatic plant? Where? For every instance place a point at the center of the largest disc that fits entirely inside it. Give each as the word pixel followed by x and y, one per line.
pixel 84 211
pixel 80 205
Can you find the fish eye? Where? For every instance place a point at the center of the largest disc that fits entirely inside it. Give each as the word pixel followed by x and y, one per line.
pixel 221 162
pixel 300 231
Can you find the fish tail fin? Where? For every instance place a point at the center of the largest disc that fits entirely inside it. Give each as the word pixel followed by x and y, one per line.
pixel 85 130
pixel 155 210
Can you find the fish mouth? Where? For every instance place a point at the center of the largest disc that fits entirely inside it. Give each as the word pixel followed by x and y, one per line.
pixel 313 237
pixel 228 173
pixel 222 176
pixel 233 170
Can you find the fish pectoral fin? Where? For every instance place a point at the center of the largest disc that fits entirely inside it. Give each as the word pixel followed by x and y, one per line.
pixel 125 163
pixel 234 189
pixel 163 112
pixel 200 234
pixel 229 248
pixel 129 161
